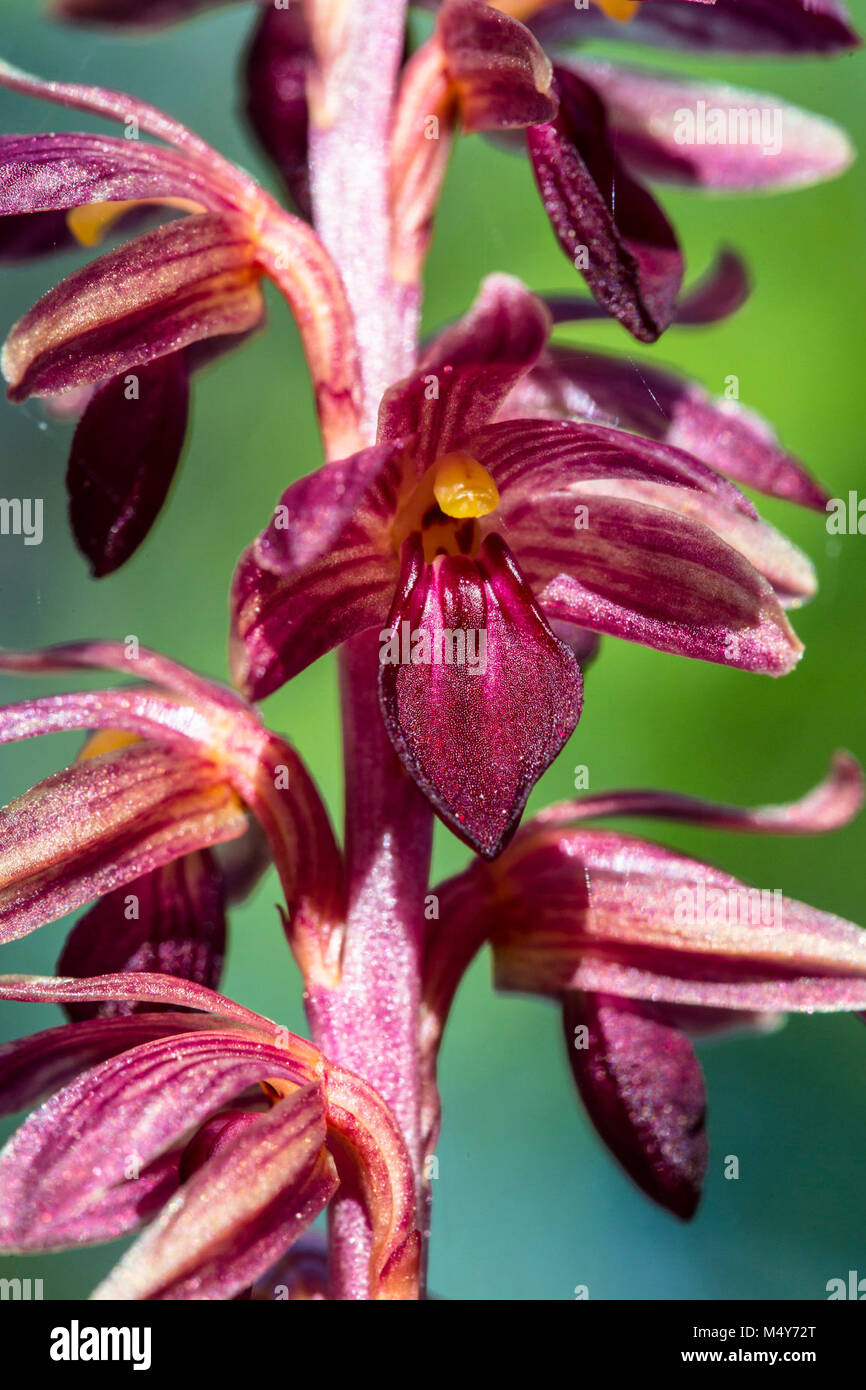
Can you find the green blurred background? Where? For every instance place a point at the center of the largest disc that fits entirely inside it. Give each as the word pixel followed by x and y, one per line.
pixel 528 1205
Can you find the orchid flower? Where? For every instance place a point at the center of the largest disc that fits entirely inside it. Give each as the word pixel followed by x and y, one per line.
pixel 178 766
pixel 593 128
pixel 642 946
pixel 225 1132
pixel 455 521
pixel 490 504
pixel 125 332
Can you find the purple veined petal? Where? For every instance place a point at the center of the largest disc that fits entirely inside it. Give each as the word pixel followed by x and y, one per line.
pixel 502 77
pixel 475 731
pixel 316 512
pixel 277 62
pixel 607 224
pixel 468 371
pixel 102 822
pixel 142 663
pixel 733 26
pixel 532 459
pixel 713 135
pixel 171 921
pixel 132 14
pixel 156 990
pixel 720 292
pixel 36 1066
pixel 569 383
pixel 124 454
pixel 280 626
pixel 591 910
pixel 643 1089
pixel 188 280
pixel 68 1160
pixel 238 1213
pixel 46 173
pixel 149 714
pixel 789 572
pixel 652 576
pixel 124 109
pixel 830 805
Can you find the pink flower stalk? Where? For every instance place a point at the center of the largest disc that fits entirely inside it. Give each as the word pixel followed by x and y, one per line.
pixel 489 505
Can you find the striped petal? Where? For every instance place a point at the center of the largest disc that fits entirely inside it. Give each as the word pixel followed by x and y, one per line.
pixel 569 383
pixel 606 223
pixel 103 822
pixel 181 283
pixel 238 1213
pixel 652 576
pixel 712 135
pixel 594 911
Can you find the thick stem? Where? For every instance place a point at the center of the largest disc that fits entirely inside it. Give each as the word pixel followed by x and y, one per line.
pixel 351 113
pixel 369 1023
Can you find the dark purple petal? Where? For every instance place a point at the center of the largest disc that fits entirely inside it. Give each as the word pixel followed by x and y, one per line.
pixel 135 14
pixel 157 990
pixel 718 294
pixel 124 454
pixel 709 135
pixel 468 371
pixel 256 1193
pixel 30 234
pixel 189 280
pixel 502 78
pixel 609 226
pixel 643 1089
pixel 475 732
pixel 733 26
pixel 171 922
pixel 276 103
pixel 568 383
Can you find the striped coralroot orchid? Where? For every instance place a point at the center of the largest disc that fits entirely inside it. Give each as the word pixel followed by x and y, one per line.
pixel 642 947
pixel 510 527
pixel 238 1133
pixel 156 307
pixel 490 505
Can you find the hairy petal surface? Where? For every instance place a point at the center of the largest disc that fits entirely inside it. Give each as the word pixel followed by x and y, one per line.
pixel 609 226
pixel 183 282
pixel 124 454
pixel 476 735
pixel 239 1213
pixel 643 1089
pixel 713 135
